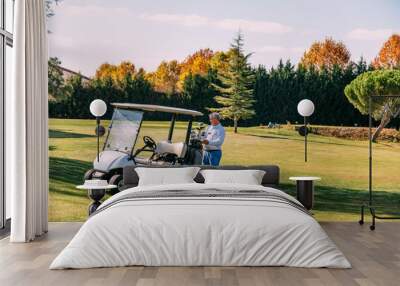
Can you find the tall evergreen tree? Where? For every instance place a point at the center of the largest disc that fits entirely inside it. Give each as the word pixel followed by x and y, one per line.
pixel 236 86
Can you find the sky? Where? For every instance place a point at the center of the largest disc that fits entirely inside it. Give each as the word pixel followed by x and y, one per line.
pixel 87 33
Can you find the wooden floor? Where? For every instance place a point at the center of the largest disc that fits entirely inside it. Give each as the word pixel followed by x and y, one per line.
pixel 375 257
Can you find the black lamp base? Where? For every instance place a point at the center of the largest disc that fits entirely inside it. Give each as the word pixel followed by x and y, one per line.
pixel 96 196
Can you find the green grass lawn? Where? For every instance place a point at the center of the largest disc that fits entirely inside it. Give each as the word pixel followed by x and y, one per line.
pixel 342 164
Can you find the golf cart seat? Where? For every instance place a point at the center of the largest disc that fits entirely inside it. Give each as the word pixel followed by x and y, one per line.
pixel 164 148
pixel 178 149
pixel 142 161
pixel 148 161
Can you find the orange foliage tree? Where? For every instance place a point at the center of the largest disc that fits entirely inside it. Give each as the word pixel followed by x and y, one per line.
pixel 389 55
pixel 197 63
pixel 105 70
pixel 326 54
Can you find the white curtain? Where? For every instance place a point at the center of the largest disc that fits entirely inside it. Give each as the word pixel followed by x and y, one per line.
pixel 27 124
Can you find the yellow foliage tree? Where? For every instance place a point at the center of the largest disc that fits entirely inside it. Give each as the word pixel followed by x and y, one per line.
pixel 389 55
pixel 116 72
pixel 105 70
pixel 326 54
pixel 197 63
pixel 125 69
pixel 166 77
pixel 220 61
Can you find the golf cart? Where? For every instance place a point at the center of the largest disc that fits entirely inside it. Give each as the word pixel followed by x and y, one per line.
pixel 119 147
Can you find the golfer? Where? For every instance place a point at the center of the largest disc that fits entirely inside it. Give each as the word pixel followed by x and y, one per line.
pixel 213 139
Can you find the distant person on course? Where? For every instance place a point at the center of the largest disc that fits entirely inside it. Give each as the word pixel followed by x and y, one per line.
pixel 213 139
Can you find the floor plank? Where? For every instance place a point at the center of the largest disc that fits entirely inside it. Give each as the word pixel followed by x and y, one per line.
pixel 375 257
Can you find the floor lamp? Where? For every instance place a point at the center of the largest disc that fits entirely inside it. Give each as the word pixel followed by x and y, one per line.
pixel 370 198
pixel 305 108
pixel 98 108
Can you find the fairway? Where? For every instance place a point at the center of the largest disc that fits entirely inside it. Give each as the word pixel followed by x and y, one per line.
pixel 342 165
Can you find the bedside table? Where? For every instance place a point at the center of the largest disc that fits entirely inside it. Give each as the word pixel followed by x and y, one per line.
pixel 305 190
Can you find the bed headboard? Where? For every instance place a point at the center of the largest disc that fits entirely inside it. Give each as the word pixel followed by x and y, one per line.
pixel 270 179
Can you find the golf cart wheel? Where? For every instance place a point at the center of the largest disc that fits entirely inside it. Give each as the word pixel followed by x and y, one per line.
pixel 89 174
pixel 116 180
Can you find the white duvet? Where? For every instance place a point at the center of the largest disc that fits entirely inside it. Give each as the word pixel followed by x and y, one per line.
pixel 200 231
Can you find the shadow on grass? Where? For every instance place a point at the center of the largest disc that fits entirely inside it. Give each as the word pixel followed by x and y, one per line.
pixel 269 136
pixel 62 134
pixel 67 170
pixel 349 201
pixel 64 172
pixel 292 138
pixel 72 193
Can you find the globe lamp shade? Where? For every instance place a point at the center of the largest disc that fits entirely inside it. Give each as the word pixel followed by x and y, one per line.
pixel 98 108
pixel 305 107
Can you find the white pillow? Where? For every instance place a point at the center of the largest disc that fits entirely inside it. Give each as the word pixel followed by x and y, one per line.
pixel 166 176
pixel 248 177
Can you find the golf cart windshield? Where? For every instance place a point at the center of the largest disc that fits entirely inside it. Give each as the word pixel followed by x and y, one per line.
pixel 124 129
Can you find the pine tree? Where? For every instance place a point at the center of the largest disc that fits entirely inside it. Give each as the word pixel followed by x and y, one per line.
pixel 236 86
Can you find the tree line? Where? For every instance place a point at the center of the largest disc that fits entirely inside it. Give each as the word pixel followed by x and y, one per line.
pixel 224 81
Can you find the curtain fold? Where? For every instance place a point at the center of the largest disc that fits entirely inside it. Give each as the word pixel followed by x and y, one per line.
pixel 27 124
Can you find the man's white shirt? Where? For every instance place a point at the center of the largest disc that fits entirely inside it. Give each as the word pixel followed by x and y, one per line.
pixel 215 136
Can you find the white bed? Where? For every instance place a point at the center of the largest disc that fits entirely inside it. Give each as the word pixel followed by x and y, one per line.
pixel 202 231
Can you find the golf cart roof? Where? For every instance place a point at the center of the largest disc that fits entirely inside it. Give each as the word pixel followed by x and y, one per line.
pixel 150 107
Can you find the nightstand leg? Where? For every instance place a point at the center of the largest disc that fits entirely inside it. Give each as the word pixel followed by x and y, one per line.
pixel 96 196
pixel 305 193
pixel 93 207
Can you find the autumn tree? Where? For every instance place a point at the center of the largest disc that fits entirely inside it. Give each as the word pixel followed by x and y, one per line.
pixel 326 54
pixel 195 64
pixel 116 73
pixel 220 61
pixel 376 83
pixel 165 78
pixel 236 86
pixel 125 69
pixel 105 70
pixel 389 55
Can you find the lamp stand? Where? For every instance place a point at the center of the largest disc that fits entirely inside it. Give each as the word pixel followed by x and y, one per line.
pixel 305 138
pixel 98 137
pixel 370 204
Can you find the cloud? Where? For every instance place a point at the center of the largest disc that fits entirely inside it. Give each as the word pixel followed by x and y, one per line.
pixel 194 20
pixel 370 35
